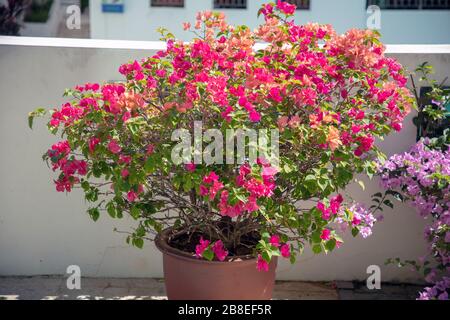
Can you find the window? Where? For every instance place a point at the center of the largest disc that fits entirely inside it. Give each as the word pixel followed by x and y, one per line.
pixel 436 4
pixel 167 3
pixel 230 4
pixel 411 4
pixel 301 4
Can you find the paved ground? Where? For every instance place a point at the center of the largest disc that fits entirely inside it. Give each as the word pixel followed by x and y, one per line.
pixel 388 291
pixel 54 288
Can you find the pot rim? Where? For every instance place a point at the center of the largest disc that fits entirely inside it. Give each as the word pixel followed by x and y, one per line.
pixel 161 242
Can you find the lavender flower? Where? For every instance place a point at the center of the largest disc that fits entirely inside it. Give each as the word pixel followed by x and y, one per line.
pixel 422 175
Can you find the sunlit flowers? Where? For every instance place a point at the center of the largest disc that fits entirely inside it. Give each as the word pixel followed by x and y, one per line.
pixel 327 96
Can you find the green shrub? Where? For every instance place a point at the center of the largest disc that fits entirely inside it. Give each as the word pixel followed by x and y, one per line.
pixel 39 11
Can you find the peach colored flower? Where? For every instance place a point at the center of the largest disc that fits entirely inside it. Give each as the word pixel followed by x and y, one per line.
pixel 186 26
pixel 333 139
pixel 282 123
pixel 294 122
pixel 131 100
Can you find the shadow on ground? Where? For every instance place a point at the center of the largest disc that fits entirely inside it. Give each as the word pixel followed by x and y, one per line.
pixel 55 288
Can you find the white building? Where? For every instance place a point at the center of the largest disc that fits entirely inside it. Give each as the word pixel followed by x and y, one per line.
pixel 402 21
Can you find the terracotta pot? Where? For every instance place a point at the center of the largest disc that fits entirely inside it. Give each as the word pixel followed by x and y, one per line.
pixel 190 278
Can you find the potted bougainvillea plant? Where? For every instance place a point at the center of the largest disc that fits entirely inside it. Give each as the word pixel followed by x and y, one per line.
pixel 151 146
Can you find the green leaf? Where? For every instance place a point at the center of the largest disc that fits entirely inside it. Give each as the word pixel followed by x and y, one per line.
pixel 397 195
pixel 265 235
pixel 94 213
pixel 138 242
pixel 317 249
pixel 292 258
pixel 85 185
pixel 149 165
pixel 377 195
pixel 135 212
pixel 388 203
pixel 330 245
pixel 267 256
pixel 39 112
pixel 208 254
pixel 110 208
pixel 316 237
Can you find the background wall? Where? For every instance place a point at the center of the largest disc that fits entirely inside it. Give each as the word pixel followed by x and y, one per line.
pixel 139 21
pixel 42 231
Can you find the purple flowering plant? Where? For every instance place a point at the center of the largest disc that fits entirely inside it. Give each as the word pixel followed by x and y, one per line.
pixel 421 177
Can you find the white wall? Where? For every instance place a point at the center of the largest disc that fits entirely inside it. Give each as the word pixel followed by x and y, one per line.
pixel 42 231
pixel 139 21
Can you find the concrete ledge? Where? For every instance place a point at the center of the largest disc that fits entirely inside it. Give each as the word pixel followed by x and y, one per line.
pixel 159 45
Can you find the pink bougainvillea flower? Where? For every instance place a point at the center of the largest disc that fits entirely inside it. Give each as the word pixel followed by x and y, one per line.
pixel 93 142
pixel 219 250
pixel 190 167
pixel 139 76
pixel 126 116
pixel 65 184
pixel 286 7
pixel 269 172
pixel 150 149
pixel 251 205
pixel 203 190
pixel 124 159
pixel 325 234
pixel 125 173
pixel 214 189
pixel 161 73
pixel 211 177
pixel 114 147
pixel 335 203
pixel 285 251
pixel 325 211
pixel 61 148
pixel 358 152
pixel 356 221
pixel 275 240
pixel 275 94
pixel 132 196
pixel 201 247
pixel 81 166
pixel 262 264
pixel 267 9
pixel 254 116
